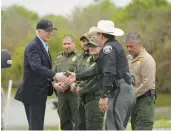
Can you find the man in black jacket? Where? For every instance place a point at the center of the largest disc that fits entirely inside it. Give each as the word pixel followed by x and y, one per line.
pixel 117 94
pixel 37 77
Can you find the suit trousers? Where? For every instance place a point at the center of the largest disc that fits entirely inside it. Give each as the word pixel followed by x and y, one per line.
pixel 35 116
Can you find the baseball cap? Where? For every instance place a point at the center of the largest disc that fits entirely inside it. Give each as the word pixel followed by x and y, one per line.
pixel 93 41
pixel 84 36
pixel 45 25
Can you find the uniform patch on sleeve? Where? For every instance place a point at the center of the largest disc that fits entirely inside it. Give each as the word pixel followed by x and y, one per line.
pixel 107 49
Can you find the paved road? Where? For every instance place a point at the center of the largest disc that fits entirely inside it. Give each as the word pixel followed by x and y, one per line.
pixel 17 119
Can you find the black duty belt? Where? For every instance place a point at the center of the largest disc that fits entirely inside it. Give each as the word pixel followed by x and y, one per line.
pixel 148 93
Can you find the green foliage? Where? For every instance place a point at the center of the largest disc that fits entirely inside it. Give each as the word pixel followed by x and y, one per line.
pixel 25 12
pixel 151 18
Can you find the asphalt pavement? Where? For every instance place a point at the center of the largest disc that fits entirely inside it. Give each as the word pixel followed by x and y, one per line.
pixel 16 118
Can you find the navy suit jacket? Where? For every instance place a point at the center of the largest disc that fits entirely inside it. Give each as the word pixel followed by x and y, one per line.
pixel 36 83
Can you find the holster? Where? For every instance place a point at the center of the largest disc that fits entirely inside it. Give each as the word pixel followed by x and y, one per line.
pixel 128 78
pixel 115 83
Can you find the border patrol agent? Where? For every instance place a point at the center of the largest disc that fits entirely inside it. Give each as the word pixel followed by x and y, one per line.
pixel 81 66
pixel 143 67
pixel 89 91
pixel 67 101
pixel 117 94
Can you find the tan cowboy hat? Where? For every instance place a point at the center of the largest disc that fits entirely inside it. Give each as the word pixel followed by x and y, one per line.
pixel 106 27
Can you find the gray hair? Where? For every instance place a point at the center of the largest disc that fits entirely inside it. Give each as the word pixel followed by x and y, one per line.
pixel 69 37
pixel 133 36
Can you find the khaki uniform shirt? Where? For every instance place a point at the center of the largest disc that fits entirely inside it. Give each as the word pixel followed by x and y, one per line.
pixel 143 68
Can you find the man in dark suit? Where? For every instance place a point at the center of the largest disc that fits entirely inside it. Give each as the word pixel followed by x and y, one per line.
pixel 36 84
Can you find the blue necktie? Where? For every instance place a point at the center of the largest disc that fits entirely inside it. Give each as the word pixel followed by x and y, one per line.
pixel 47 49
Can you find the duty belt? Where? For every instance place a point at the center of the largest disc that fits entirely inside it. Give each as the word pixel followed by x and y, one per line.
pixel 148 93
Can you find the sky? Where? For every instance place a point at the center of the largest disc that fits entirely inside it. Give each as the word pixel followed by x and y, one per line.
pixel 56 7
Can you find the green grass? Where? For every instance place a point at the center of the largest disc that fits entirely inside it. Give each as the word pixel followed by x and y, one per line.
pixel 163 123
pixel 163 100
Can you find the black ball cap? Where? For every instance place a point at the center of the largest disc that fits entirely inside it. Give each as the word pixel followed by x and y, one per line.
pixel 45 25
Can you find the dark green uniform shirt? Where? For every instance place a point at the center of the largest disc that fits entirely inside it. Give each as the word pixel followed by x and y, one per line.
pixel 88 86
pixel 65 62
pixel 82 61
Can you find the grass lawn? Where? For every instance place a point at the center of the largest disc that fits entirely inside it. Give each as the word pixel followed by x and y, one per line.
pixel 163 123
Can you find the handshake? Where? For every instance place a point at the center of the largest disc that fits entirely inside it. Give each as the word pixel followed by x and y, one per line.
pixel 62 81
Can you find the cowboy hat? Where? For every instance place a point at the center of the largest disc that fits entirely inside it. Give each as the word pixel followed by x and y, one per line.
pixel 106 27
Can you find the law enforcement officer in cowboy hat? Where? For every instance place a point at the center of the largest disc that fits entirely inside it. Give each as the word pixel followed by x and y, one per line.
pixel 117 94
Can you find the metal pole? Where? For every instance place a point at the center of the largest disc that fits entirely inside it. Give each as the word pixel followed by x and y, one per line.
pixel 8 102
pixel 104 121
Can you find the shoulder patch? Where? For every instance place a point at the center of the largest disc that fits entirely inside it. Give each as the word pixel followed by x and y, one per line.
pixel 107 49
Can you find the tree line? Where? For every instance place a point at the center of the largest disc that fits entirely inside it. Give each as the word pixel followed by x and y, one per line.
pixel 151 18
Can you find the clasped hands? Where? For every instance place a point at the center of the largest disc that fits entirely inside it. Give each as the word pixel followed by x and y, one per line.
pixel 61 81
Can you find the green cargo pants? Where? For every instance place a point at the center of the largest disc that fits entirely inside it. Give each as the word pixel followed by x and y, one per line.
pixel 94 118
pixel 90 116
pixel 142 117
pixel 82 116
pixel 68 110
